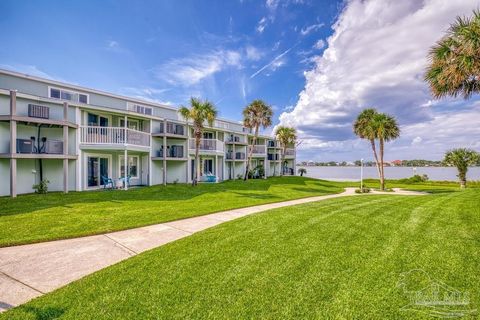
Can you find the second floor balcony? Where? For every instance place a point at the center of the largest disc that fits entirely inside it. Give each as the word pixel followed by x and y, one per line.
pixel 289 152
pixel 208 145
pixel 173 129
pixel 230 155
pixel 258 150
pixel 115 136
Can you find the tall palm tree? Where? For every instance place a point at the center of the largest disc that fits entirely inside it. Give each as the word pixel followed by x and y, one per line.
pixel 363 128
pixel 286 136
pixel 200 112
pixel 454 67
pixel 372 125
pixel 461 158
pixel 387 130
pixel 257 114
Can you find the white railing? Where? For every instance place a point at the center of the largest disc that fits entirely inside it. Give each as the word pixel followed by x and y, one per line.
pixel 207 145
pixel 113 135
pixel 289 152
pixel 258 149
pixel 235 139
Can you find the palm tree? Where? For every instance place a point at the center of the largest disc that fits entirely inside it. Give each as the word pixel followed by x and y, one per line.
pixel 372 125
pixel 461 158
pixel 387 130
pixel 257 114
pixel 286 136
pixel 302 171
pixel 363 128
pixel 200 112
pixel 454 66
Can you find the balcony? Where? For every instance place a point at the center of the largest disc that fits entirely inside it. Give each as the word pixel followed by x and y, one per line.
pixel 94 135
pixel 233 139
pixel 230 155
pixel 289 152
pixel 273 144
pixel 173 152
pixel 258 150
pixel 209 145
pixel 273 157
pixel 173 129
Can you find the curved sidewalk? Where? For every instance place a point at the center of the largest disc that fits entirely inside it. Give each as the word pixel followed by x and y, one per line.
pixel 28 271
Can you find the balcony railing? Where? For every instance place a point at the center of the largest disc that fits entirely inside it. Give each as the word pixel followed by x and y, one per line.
pixel 113 136
pixel 230 155
pixel 258 149
pixel 207 145
pixel 173 128
pixel 174 151
pixel 273 144
pixel 290 152
pixel 236 139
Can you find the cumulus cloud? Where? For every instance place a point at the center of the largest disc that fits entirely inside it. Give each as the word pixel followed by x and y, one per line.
pixel 191 70
pixel 376 57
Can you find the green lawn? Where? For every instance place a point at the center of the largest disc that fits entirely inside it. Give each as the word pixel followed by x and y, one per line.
pixel 34 218
pixel 339 258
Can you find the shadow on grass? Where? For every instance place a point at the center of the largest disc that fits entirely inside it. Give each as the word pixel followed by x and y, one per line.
pixel 48 313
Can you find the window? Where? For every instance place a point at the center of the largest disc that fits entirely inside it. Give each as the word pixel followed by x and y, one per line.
pixel 141 109
pixel 83 98
pixel 68 95
pixel 55 93
pixel 133 162
pixel 96 120
pixel 131 124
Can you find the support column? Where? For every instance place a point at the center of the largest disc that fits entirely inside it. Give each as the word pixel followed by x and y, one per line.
pixel 150 155
pixel 125 166
pixel 265 160
pixel 187 154
pixel 13 144
pixel 65 148
pixel 164 152
pixel 78 162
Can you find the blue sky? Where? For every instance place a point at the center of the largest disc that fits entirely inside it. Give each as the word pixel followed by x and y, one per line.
pixel 318 63
pixel 170 50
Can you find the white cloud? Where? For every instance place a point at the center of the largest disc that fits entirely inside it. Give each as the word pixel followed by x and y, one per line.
pixel 320 44
pixel 261 25
pixel 416 140
pixel 376 57
pixel 191 70
pixel 253 53
pixel 313 27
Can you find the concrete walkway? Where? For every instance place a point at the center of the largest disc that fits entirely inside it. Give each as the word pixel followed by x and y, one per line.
pixel 29 271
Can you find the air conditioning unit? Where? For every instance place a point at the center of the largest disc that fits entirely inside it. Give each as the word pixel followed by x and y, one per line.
pixel 54 146
pixel 25 146
pixel 36 111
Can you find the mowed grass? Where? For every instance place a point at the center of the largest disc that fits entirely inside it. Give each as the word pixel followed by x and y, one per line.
pixel 335 259
pixel 35 218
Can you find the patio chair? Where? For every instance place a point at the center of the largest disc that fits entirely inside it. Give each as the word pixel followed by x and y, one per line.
pixel 107 181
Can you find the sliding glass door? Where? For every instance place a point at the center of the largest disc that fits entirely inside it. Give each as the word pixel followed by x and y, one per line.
pixel 97 167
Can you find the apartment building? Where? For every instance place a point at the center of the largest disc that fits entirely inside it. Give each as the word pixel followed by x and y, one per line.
pixel 82 139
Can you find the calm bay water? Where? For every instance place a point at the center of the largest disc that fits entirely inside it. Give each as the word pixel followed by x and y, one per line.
pixel 353 173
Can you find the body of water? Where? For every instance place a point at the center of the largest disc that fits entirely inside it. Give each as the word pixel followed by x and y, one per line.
pixel 353 173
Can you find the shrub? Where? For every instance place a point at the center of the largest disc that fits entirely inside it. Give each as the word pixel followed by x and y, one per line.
pixel 41 187
pixel 415 179
pixel 364 190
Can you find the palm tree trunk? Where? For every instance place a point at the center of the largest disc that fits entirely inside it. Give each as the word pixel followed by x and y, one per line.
pixel 382 175
pixel 377 163
pixel 462 175
pixel 250 153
